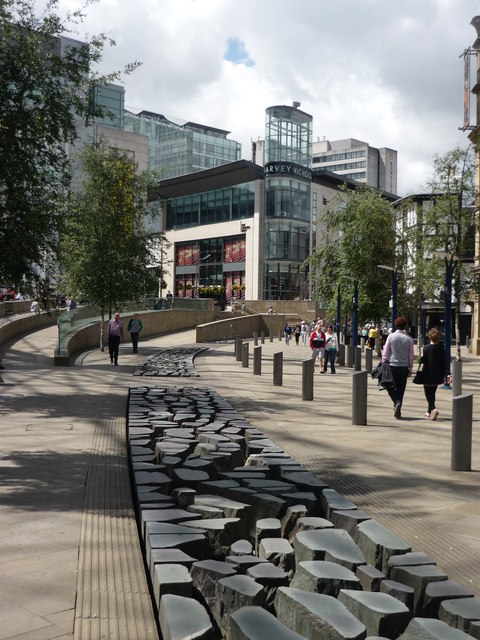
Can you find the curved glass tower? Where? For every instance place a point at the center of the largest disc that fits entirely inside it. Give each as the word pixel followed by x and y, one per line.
pixel 288 162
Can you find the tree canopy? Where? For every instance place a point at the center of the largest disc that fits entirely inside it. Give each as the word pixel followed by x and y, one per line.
pixel 107 251
pixel 44 97
pixel 355 234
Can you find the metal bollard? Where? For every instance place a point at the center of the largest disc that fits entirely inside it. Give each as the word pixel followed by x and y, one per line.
pixel 341 354
pixel 462 410
pixel 278 369
pixel 271 336
pixel 308 368
pixel 362 343
pixel 358 358
pixel 255 338
pixel 245 354
pixel 349 355
pixel 262 337
pixel 238 349
pixel 280 334
pixel 235 345
pixel 467 342
pixel 368 359
pixel 456 377
pixel 257 361
pixel 359 398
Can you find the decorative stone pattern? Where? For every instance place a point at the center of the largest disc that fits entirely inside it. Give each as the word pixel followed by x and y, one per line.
pixel 250 545
pixel 177 362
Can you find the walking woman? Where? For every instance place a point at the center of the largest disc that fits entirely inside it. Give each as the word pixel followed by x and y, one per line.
pixel 434 371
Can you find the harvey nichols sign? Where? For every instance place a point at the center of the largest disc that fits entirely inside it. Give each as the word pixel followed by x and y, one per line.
pixel 287 170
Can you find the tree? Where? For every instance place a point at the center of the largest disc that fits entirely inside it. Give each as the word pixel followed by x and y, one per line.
pixel 44 96
pixel 106 249
pixel 356 234
pixel 451 225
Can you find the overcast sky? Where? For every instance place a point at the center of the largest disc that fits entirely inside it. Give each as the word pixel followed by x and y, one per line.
pixel 387 72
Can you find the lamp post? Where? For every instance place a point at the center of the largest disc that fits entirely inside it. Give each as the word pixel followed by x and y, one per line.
pixel 339 304
pixel 394 289
pixel 355 311
pixel 450 264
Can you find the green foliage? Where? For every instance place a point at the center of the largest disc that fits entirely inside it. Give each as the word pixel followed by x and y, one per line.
pixel 355 235
pixel 106 251
pixel 43 99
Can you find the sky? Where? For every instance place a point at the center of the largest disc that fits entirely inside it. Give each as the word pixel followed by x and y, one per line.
pixel 386 72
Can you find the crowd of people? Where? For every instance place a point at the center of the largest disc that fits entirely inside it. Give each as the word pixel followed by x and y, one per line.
pixel 396 348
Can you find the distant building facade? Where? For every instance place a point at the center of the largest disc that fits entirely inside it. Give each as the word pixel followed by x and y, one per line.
pixel 358 161
pixel 177 149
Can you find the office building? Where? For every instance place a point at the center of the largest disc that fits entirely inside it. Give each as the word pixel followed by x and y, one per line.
pixel 358 161
pixel 177 149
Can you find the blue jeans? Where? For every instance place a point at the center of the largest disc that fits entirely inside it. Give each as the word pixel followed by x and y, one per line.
pixel 329 356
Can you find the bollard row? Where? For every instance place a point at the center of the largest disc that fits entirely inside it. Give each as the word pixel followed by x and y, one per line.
pixel 243 542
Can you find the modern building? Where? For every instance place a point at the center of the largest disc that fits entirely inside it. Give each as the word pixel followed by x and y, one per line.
pixel 243 230
pixel 358 161
pixel 177 149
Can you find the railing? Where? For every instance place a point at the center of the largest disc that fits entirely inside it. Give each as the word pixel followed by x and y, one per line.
pixel 78 318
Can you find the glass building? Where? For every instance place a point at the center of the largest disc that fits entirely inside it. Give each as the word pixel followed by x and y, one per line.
pixel 175 150
pixel 288 175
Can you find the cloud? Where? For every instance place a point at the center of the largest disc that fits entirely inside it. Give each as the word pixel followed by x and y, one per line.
pixel 385 72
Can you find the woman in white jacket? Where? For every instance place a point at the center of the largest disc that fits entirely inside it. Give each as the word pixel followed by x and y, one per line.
pixel 331 349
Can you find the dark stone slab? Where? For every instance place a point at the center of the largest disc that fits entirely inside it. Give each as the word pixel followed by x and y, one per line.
pixel 243 563
pixel 168 556
pixel 411 559
pixel 279 552
pixel 379 544
pixel 175 516
pixel 255 623
pixel 328 544
pixel 232 594
pixel 460 613
pixel 399 591
pixel 171 578
pixel 205 575
pixel 184 477
pixel 370 578
pixel 381 614
pixel 268 575
pixel 418 578
pixel 314 615
pixel 241 548
pixel 436 592
pixel 194 544
pixel 430 629
pixel 181 617
pixel 321 576
pixel 349 520
pixel 332 500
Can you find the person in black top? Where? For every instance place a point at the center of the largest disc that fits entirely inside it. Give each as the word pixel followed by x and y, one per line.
pixel 434 371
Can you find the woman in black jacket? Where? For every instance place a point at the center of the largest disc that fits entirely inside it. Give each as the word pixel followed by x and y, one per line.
pixel 434 371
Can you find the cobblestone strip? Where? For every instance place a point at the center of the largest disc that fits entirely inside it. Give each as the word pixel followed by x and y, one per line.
pixel 113 599
pixel 385 510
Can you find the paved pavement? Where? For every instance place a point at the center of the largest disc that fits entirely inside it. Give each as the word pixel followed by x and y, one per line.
pixel 70 566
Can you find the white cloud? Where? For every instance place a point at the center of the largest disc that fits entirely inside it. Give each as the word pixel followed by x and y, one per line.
pixel 382 71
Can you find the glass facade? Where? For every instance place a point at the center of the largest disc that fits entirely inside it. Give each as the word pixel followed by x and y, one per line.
pixel 176 150
pixel 213 268
pixel 288 163
pixel 111 98
pixel 221 205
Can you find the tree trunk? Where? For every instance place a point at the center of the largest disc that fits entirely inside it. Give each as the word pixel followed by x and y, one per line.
pixel 102 323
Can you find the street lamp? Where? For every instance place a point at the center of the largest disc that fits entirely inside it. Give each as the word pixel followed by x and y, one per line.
pixel 394 289
pixel 355 311
pixel 450 264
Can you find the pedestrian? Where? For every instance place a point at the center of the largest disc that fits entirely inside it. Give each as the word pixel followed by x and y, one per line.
pixel 304 333
pixel 372 336
pixel 19 296
pixel 317 344
pixel 244 308
pixel 287 332
pixel 270 311
pixel 398 352
pixel 296 332
pixel 435 371
pixel 135 326
pixel 330 354
pixel 115 336
pixel 35 307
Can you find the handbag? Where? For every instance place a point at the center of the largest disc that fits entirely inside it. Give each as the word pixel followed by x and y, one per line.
pixel 418 377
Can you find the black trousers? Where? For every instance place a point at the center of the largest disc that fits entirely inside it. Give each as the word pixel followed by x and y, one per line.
pixel 134 335
pixel 113 345
pixel 430 391
pixel 400 375
pixel 329 356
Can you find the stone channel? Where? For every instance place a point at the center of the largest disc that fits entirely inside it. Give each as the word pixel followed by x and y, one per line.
pixel 241 542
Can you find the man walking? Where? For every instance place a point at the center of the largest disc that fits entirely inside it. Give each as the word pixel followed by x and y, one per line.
pixel 135 326
pixel 115 335
pixel 398 352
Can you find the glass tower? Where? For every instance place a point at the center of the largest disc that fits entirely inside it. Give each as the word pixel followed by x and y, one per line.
pixel 288 164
